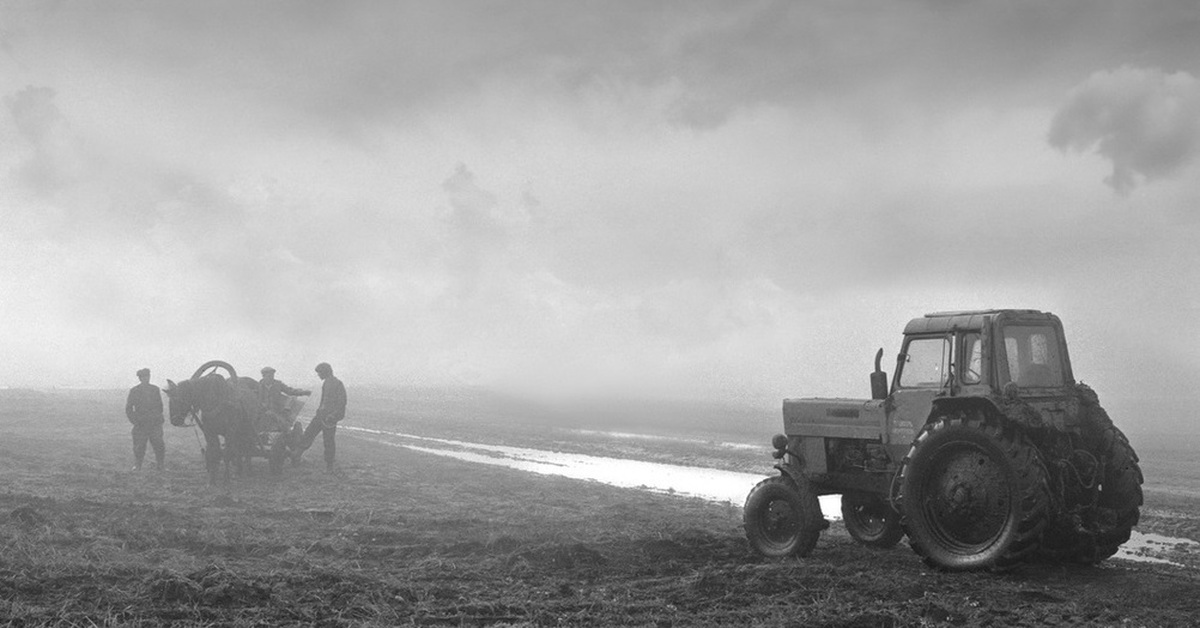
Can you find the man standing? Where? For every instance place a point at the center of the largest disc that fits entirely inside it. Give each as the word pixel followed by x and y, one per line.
pixel 144 409
pixel 331 410
pixel 274 404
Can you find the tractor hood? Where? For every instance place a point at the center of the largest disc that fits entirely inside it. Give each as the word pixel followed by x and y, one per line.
pixel 836 418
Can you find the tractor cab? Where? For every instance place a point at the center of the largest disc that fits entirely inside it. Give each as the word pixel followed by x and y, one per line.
pixel 993 354
pixel 981 352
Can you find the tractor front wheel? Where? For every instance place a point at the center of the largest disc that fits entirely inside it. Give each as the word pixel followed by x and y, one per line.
pixel 871 521
pixel 783 518
pixel 974 494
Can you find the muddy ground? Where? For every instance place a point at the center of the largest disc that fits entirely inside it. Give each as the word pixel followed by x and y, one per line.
pixel 397 537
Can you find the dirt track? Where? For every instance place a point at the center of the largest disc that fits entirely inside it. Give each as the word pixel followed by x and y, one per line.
pixel 403 538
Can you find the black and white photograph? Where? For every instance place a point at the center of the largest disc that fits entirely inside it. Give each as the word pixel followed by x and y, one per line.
pixel 524 313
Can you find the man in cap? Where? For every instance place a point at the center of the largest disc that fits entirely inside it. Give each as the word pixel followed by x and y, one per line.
pixel 144 409
pixel 271 395
pixel 331 410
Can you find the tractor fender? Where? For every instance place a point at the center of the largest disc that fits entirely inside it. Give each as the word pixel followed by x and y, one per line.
pixel 946 406
pixel 1013 411
pixel 791 472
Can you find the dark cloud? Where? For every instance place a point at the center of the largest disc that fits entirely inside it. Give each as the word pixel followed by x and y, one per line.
pixel 1145 121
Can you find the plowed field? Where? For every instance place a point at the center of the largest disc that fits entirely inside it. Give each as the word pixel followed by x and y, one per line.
pixel 398 537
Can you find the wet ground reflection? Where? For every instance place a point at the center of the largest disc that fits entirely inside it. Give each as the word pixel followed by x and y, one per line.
pixel 710 484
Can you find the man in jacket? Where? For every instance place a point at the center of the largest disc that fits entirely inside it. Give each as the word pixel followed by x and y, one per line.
pixel 331 410
pixel 272 396
pixel 144 409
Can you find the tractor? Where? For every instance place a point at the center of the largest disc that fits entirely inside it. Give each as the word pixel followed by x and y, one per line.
pixel 984 451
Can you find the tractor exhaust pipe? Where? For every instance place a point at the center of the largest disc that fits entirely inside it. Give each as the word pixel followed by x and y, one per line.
pixel 879 379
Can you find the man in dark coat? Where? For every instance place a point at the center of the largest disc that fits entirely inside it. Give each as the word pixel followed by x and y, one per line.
pixel 144 409
pixel 331 410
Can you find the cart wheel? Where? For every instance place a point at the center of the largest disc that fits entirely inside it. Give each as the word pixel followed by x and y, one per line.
pixel 213 366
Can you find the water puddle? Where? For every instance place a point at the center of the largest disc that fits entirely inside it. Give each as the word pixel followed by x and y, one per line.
pixel 1150 548
pixel 715 485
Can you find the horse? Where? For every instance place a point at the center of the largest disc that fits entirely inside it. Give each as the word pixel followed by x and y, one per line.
pixel 226 410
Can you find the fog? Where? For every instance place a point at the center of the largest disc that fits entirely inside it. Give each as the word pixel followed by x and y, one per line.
pixel 735 202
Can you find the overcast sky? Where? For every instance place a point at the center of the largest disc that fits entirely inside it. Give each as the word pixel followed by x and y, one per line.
pixel 728 200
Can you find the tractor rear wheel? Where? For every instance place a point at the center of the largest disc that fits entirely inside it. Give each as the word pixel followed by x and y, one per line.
pixel 1120 494
pixel 1098 531
pixel 870 520
pixel 783 518
pixel 974 494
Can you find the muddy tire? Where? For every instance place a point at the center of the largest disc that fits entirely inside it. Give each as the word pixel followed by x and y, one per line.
pixel 1120 494
pixel 871 521
pixel 974 495
pixel 782 518
pixel 1095 533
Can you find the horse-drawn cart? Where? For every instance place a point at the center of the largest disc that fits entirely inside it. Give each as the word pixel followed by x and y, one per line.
pixel 225 405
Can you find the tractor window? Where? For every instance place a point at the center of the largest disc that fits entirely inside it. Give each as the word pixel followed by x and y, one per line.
pixel 1033 358
pixel 925 363
pixel 972 369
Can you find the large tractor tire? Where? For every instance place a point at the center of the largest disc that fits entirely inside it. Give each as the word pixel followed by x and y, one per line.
pixel 783 518
pixel 1095 532
pixel 1120 493
pixel 974 495
pixel 870 520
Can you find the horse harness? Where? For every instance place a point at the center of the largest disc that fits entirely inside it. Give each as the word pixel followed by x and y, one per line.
pixel 192 413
